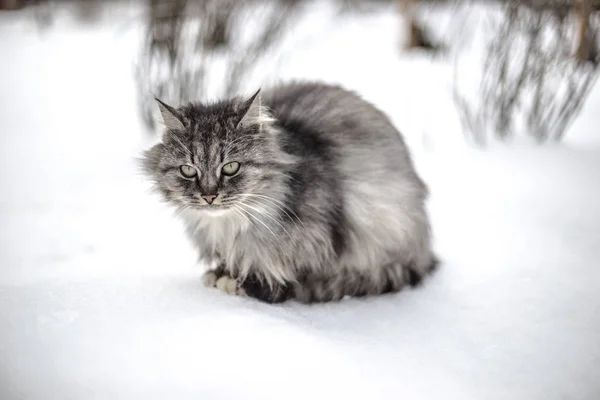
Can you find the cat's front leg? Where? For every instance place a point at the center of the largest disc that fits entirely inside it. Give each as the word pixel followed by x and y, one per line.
pixel 221 278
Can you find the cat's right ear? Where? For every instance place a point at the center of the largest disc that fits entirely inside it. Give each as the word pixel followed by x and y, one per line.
pixel 170 116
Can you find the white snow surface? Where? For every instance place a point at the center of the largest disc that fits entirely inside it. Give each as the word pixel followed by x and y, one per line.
pixel 100 297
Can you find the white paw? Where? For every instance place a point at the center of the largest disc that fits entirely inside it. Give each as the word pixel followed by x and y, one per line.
pixel 227 284
pixel 209 279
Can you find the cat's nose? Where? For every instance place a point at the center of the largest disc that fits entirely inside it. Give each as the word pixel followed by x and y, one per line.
pixel 209 197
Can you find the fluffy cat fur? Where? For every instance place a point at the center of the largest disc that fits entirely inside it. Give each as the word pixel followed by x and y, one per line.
pixel 326 202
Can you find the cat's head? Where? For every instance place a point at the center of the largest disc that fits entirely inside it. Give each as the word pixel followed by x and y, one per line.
pixel 217 158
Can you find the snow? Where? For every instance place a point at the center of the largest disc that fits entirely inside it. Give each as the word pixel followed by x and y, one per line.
pixel 100 297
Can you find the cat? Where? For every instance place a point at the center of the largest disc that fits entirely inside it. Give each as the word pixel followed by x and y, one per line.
pixel 303 190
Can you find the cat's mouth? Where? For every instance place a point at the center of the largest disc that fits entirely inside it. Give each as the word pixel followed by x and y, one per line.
pixel 212 209
pixel 205 206
pixel 215 208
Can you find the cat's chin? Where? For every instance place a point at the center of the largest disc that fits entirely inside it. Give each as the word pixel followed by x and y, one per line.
pixel 214 211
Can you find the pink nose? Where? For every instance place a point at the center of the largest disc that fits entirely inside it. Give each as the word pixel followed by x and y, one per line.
pixel 209 198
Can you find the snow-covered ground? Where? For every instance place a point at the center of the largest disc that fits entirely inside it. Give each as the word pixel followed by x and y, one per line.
pixel 100 297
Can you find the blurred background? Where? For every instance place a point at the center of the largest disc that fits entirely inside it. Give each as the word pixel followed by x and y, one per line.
pixel 100 296
pixel 537 59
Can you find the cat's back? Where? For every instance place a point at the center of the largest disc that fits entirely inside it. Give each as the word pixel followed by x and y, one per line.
pixel 365 138
pixel 328 109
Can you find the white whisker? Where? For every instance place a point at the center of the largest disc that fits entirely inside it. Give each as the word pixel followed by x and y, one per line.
pixel 181 208
pixel 258 219
pixel 237 210
pixel 270 208
pixel 270 217
pixel 281 205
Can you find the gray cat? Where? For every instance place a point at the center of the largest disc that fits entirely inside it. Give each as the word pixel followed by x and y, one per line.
pixel 301 191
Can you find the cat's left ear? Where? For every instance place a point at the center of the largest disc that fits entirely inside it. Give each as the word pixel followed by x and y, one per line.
pixel 253 113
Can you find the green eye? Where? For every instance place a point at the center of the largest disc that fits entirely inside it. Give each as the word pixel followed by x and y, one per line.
pixel 231 168
pixel 188 171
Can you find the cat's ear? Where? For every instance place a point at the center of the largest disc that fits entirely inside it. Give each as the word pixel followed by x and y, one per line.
pixel 253 113
pixel 170 116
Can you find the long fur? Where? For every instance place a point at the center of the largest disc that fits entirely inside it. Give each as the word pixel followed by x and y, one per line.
pixel 326 204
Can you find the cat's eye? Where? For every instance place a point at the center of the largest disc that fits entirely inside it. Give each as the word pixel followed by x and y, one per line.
pixel 188 171
pixel 231 168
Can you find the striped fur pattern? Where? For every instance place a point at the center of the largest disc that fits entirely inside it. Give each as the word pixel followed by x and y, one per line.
pixel 326 202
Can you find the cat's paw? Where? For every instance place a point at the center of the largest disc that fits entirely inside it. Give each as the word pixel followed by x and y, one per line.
pixel 209 279
pixel 230 286
pixel 227 284
pixel 224 283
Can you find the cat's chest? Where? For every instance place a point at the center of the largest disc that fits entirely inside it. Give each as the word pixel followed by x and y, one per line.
pixel 221 235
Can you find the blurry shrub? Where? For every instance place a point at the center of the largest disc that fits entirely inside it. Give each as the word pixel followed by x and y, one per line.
pixel 191 44
pixel 538 69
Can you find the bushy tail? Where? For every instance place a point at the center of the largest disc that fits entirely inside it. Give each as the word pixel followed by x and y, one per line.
pixel 319 287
